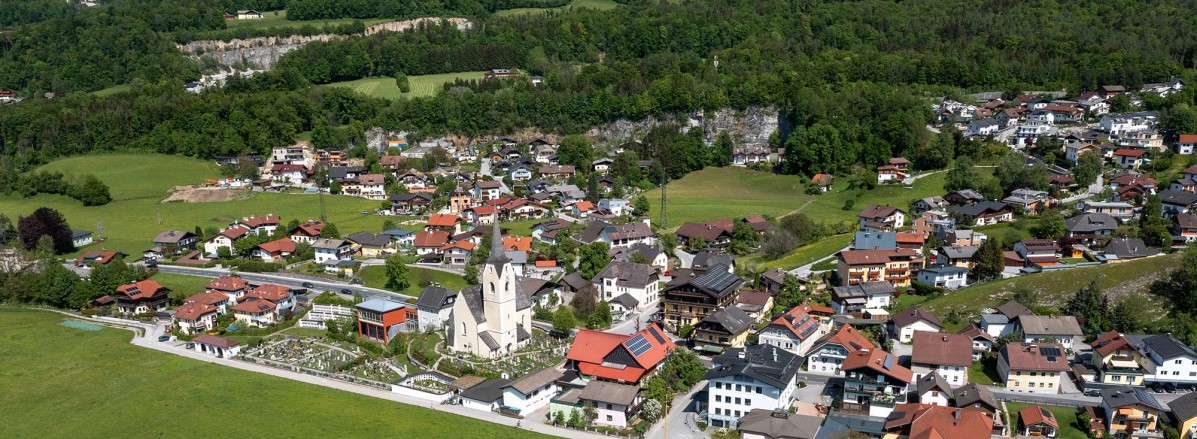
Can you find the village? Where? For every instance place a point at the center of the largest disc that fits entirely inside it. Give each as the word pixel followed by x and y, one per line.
pixel 847 356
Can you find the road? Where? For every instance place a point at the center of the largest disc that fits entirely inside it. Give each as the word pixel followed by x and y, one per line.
pixel 684 259
pixel 804 271
pixel 484 169
pixel 629 326
pixel 285 279
pixel 681 418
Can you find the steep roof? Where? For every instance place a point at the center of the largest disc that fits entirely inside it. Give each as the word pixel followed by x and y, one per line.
pixel 936 422
pixel 848 337
pixel 933 381
pixel 797 321
pixel 208 298
pixel 972 394
pixel 1109 343
pixel 193 311
pixel 284 245
pixel 488 391
pixel 879 361
pixel 227 283
pixel 141 290
pixel 912 315
pixel 1013 309
pixel 1042 356
pixel 443 220
pixel 1185 407
pixel 937 348
pixel 732 319
pixel 431 238
pixel 627 274
pixel 1036 415
pixel 435 297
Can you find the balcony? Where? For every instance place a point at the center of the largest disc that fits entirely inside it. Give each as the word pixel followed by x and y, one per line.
pixel 1142 433
pixel 1135 418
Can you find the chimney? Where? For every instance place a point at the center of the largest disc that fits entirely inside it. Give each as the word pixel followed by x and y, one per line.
pixel 740 354
pixel 774 354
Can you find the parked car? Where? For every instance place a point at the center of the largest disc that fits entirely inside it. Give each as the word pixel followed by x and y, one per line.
pixel 346 291
pixel 190 346
pixel 308 285
pixel 163 338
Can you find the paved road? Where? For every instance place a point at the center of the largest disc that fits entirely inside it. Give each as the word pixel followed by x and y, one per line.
pixel 150 340
pixel 680 419
pixel 685 259
pixel 484 169
pixel 629 326
pixel 805 271
pixel 284 279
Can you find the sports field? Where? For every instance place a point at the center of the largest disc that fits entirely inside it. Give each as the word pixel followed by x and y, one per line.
pixel 60 381
pixel 601 5
pixel 421 85
pixel 138 182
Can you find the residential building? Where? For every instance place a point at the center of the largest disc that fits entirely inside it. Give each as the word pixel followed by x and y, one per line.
pixel 255 312
pixel 948 355
pixel 1060 329
pixel 889 174
pixel 371 245
pixel 854 299
pixel 1166 361
pixel 1041 252
pixel 81 238
pixel 279 295
pixel 234 287
pixel 1115 360
pixel 1073 151
pixel 409 203
pixel 307 232
pixel 1186 144
pixel 1037 421
pixel 715 233
pixel 94 258
pixel 1120 210
pixel 1184 228
pixel 1089 226
pixel 494 318
pixel 486 190
pixel 894 266
pixel 616 405
pixel 773 424
pixel 1184 410
pixel 796 330
pixel 1002 322
pixel 427 242
pixel 882 218
pixel 963 197
pixel 1030 201
pixel 531 392
pixel 639 281
pixel 224 239
pixel 957 255
pixel 382 320
pixel 275 250
pixel 458 253
pixel 1175 202
pixel 932 389
pixel 912 320
pixel 874 382
pixel 1032 367
pixel 259 224
pixel 944 276
pixel 434 307
pixel 754 377
pixel 1130 158
pixel 984 213
pixel 142 297
pixel 726 327
pixel 924 421
pixel 979 398
pixel 983 127
pixel 1119 124
pixel 619 358
pixel 690 297
pixel 827 355
pixel 174 241
pixel 1131 412
pixel 329 249
pixel 982 341
pixel 193 317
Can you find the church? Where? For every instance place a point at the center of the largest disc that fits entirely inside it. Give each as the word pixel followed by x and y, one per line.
pixel 493 319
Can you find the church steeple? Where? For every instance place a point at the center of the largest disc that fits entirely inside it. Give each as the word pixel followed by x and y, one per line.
pixel 498 257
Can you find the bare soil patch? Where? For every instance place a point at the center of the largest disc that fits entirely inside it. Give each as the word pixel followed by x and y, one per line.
pixel 189 194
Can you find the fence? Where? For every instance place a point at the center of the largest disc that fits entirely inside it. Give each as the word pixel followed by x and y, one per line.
pixel 336 376
pixel 1053 401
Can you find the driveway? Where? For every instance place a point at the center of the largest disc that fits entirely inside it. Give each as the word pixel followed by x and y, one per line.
pixel 685 259
pixel 681 422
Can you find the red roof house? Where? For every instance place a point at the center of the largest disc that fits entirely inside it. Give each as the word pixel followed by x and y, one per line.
pixel 617 357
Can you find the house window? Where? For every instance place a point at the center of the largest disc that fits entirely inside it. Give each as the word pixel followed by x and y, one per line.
pixel 718 385
pixel 737 401
pixel 718 398
pixel 759 389
pixel 747 402
pixel 609 419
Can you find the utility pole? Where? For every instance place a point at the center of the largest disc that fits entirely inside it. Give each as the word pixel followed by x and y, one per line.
pixel 322 213
pixel 159 208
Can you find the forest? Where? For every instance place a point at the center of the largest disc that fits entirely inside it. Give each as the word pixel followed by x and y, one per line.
pixel 854 77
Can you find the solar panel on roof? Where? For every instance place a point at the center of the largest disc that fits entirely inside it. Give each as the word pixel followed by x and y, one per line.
pixel 1049 351
pixel 638 345
pixel 1046 414
pixel 653 330
pixel 889 361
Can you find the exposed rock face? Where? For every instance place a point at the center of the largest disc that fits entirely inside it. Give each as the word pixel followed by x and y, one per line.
pixel 262 52
pixel 749 127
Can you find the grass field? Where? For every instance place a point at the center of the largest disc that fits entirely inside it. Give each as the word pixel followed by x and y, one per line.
pixel 1054 288
pixel 802 256
pixel 733 192
pixel 66 382
pixel 277 19
pixel 601 5
pixel 181 286
pixel 1066 416
pixel 112 90
pixel 376 277
pixel 421 85
pixel 139 181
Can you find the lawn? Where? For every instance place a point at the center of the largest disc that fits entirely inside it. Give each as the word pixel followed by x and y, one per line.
pixel 139 181
pixel 112 90
pixel 521 228
pixel 601 5
pixel 277 19
pixel 803 255
pixel 66 382
pixel 734 192
pixel 1053 288
pixel 181 286
pixel 421 85
pixel 984 372
pixel 1066 416
pixel 376 277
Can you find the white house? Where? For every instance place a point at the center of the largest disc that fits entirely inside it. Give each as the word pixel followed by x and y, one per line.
pixel 944 276
pixel 219 347
pixel 983 127
pixel 910 321
pixel 486 396
pixel 617 206
pixel 1166 359
pixel 637 280
pixel 828 354
pixel 611 402
pixel 81 237
pixel 224 239
pixel 948 355
pixel 1118 124
pixel 1073 151
pixel 933 389
pixel 434 307
pixel 1186 144
pixel 1060 329
pixel 796 330
pixel 533 391
pixel 753 377
pixel 328 249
